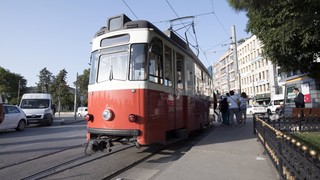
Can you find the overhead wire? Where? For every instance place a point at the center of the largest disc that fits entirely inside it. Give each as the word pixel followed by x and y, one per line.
pixel 215 15
pixel 194 38
pixel 204 52
pixel 130 9
pixel 178 17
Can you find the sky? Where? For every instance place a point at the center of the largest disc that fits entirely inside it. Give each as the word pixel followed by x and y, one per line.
pixel 56 34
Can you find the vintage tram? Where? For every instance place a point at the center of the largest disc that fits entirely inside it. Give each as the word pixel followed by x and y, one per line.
pixel 145 86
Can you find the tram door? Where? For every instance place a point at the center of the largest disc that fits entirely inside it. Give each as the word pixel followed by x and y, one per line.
pixel 179 89
pixel 170 88
pixel 174 65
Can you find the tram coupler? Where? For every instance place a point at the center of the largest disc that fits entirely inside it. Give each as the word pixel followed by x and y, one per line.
pixel 108 145
pixel 92 147
pixel 138 146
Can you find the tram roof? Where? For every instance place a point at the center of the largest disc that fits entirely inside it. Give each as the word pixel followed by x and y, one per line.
pixel 168 35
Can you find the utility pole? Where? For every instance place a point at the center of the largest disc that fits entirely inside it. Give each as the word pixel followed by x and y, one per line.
pixel 59 99
pixel 18 92
pixel 235 59
pixel 75 99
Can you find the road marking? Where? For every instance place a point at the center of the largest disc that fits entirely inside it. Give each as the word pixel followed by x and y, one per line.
pixel 259 158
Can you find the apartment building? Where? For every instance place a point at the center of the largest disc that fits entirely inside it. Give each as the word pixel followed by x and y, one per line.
pixel 224 75
pixel 257 76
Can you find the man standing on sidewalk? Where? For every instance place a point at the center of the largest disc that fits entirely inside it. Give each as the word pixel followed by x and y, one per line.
pixel 233 108
pixel 299 99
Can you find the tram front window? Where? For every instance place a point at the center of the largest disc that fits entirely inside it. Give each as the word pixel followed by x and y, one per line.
pixel 113 64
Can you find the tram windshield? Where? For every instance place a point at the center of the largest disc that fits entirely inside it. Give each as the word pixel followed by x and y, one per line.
pixel 111 65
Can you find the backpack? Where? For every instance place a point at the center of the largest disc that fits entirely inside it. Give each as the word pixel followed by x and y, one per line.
pixel 224 105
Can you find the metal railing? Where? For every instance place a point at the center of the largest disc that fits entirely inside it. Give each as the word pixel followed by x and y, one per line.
pixel 292 158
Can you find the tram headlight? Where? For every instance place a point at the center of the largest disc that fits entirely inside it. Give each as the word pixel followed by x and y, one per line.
pixel 107 114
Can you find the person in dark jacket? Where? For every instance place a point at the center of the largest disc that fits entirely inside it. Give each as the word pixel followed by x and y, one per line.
pixel 299 99
pixel 224 109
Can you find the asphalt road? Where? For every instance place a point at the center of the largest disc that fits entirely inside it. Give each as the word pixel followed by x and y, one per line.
pixel 24 152
pixel 57 152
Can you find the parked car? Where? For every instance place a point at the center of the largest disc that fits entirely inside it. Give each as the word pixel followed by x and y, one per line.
pixel 274 105
pixel 256 109
pixel 14 118
pixel 82 111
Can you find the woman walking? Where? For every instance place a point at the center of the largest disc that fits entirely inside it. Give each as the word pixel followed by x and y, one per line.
pixel 243 107
pixel 233 101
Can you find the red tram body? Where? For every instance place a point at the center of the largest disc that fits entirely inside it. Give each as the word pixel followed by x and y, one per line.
pixel 145 86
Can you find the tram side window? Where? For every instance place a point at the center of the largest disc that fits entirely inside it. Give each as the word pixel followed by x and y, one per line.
pixel 168 66
pixel 197 79
pixel 180 71
pixel 138 62
pixel 93 70
pixel 156 62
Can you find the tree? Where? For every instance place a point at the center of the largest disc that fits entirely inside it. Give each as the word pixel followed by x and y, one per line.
pixel 10 84
pixel 45 80
pixel 289 31
pixel 60 91
pixel 82 84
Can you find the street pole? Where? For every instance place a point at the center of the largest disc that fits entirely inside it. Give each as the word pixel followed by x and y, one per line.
pixel 253 88
pixel 18 93
pixel 235 59
pixel 75 98
pixel 59 97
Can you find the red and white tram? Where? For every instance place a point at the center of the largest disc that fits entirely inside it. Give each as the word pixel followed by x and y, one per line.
pixel 145 86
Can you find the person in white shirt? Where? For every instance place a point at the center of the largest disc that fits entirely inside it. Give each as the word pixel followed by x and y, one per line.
pixel 233 101
pixel 1 111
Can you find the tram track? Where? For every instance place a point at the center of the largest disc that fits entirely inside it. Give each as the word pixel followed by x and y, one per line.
pixel 70 164
pixel 39 157
pixel 133 164
pixel 174 150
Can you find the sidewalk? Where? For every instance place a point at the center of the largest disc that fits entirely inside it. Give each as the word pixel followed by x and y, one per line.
pixel 225 153
pixel 67 118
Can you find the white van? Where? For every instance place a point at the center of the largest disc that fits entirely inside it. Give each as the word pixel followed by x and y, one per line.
pixel 274 104
pixel 37 107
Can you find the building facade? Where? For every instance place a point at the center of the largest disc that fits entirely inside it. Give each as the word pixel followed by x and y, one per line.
pixel 256 76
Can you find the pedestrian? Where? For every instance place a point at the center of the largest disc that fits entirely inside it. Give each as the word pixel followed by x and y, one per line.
pixel 1 111
pixel 215 104
pixel 299 99
pixel 243 107
pixel 53 107
pixel 224 108
pixel 234 104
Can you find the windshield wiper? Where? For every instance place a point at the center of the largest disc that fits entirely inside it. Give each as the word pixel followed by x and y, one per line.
pixel 111 74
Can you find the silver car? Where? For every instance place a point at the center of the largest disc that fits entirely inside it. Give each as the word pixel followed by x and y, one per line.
pixel 14 118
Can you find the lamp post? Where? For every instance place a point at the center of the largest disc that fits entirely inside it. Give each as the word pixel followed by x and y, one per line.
pixel 18 92
pixel 59 99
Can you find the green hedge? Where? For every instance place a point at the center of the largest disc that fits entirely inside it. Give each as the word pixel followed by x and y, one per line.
pixel 311 139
